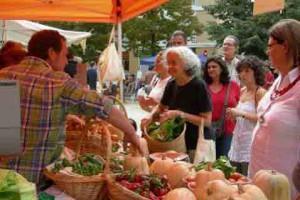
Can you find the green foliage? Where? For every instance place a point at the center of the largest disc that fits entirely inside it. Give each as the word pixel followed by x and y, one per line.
pixel 222 164
pixel 95 44
pixel 142 33
pixel 237 19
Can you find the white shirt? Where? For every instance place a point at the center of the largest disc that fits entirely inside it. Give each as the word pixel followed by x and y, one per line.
pixel 158 90
pixel 234 76
pixel 276 141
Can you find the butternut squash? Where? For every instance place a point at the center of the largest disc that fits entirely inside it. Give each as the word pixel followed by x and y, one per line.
pixel 274 184
pixel 202 177
pixel 180 194
pixel 218 190
pixel 136 161
pixel 248 192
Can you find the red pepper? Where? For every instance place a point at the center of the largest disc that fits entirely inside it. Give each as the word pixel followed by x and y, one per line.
pixel 153 196
pixel 130 186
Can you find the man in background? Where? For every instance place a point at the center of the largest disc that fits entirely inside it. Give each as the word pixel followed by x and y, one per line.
pixel 230 49
pixel 92 76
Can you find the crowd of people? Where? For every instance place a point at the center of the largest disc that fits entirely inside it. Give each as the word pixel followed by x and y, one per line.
pixel 253 121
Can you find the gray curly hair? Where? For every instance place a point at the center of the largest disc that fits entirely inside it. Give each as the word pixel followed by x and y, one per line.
pixel 190 59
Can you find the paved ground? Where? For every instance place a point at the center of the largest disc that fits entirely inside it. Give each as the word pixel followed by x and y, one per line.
pixel 135 112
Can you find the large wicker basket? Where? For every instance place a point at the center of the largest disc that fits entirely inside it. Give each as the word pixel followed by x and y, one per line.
pixel 178 144
pixel 82 187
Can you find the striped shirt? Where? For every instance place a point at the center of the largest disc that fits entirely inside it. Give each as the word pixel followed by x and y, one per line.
pixel 47 96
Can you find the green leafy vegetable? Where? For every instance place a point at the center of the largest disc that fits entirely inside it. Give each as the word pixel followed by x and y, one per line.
pixel 222 164
pixel 166 131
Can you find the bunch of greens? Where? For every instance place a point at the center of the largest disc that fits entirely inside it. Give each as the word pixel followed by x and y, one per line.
pixel 86 165
pixel 222 164
pixel 167 130
pixel 15 187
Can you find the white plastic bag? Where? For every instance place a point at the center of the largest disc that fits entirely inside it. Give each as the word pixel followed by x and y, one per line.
pixel 110 64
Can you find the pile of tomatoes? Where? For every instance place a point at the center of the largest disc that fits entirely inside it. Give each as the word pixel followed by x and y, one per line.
pixel 151 186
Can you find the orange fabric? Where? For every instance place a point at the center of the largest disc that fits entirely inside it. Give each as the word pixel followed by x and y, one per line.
pixel 75 10
pixel 264 6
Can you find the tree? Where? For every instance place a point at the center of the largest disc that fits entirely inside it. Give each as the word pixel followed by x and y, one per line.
pixel 237 19
pixel 95 44
pixel 146 31
pixel 141 34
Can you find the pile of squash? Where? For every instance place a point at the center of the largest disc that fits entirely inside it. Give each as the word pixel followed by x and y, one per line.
pixel 211 184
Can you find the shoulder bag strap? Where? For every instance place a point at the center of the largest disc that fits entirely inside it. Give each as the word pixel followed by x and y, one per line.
pixel 225 106
pixel 255 98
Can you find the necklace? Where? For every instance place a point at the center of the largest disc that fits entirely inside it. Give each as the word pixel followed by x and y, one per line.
pixel 277 93
pixel 274 95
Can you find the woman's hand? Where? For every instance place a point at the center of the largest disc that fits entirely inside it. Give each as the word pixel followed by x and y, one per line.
pixel 233 113
pixel 145 123
pixel 169 114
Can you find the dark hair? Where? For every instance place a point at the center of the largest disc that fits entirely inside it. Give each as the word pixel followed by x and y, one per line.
pixel 256 65
pixel 224 76
pixel 11 54
pixel 42 41
pixel 180 33
pixel 12 57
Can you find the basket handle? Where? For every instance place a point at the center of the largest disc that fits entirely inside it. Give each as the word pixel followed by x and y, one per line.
pixel 84 133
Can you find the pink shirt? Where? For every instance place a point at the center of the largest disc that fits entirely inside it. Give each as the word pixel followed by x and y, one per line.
pixel 218 102
pixel 276 142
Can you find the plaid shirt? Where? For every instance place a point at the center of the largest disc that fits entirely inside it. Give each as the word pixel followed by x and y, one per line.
pixel 47 96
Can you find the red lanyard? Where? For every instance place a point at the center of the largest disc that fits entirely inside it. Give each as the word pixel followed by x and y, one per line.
pixel 275 94
pixel 278 93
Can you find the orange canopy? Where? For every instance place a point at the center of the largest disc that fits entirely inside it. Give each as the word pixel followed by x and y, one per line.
pixel 106 11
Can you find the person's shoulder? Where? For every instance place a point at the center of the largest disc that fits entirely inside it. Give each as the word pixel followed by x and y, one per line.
pixel 235 85
pixel 261 92
pixel 198 82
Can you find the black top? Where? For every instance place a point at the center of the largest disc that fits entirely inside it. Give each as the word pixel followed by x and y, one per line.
pixel 70 68
pixel 192 98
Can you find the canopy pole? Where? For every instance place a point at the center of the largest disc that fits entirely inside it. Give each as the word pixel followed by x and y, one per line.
pixel 4 37
pixel 121 57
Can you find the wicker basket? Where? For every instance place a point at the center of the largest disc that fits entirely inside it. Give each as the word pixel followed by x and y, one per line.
pixel 178 144
pixel 118 192
pixel 92 143
pixel 82 187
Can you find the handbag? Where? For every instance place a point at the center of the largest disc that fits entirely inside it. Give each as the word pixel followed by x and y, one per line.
pixel 218 126
pixel 206 149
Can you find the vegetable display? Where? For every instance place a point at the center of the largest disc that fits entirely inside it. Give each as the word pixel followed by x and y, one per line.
pixel 150 186
pixel 13 186
pixel 86 165
pixel 222 164
pixel 167 130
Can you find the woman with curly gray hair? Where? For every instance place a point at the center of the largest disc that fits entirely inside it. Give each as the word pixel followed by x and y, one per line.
pixel 185 95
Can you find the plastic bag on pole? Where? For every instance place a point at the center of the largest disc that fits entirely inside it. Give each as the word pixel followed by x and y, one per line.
pixel 110 64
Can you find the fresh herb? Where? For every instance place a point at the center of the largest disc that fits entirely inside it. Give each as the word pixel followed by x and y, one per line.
pixel 222 164
pixel 166 131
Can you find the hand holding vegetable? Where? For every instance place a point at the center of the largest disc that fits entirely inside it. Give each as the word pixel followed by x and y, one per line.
pixel 169 114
